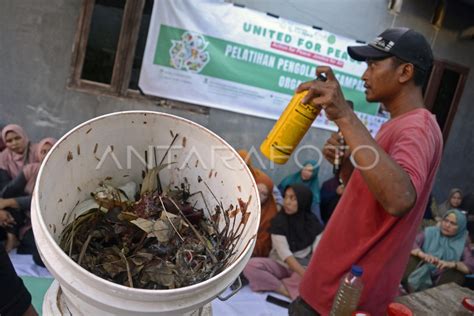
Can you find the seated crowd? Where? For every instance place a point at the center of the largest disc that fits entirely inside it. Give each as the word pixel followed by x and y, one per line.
pixel 291 227
pixel 20 161
pixel 293 216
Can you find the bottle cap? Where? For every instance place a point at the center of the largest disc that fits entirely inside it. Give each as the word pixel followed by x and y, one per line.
pixel 357 270
pixel 397 309
pixel 468 303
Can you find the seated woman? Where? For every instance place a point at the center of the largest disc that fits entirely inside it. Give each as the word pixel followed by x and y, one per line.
pixel 293 232
pixel 308 176
pixel 15 197
pixel 331 192
pixel 277 197
pixel 468 206
pixel 268 207
pixel 18 153
pixel 2 144
pixel 441 254
pixel 454 201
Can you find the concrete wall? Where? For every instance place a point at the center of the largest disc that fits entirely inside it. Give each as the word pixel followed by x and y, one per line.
pixel 36 39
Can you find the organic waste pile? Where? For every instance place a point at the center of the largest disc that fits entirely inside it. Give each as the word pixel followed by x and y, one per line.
pixel 158 240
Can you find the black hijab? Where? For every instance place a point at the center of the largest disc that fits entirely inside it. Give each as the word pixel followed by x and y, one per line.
pixel 301 228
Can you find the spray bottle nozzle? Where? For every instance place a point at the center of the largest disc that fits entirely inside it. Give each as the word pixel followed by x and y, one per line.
pixel 321 77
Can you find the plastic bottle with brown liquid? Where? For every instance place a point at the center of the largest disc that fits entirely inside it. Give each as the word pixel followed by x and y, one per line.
pixel 348 294
pixel 290 128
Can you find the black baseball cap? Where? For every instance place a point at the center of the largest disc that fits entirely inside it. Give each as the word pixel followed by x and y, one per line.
pixel 404 43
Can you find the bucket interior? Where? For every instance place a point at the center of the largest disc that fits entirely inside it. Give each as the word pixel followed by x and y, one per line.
pixel 113 147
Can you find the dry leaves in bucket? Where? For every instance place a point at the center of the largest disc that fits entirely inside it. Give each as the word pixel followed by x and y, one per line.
pixel 161 241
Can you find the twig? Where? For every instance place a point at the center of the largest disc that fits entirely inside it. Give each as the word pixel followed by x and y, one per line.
pixel 199 236
pixel 140 243
pixel 233 222
pixel 169 147
pixel 212 193
pixel 129 274
pixel 72 238
pixel 112 262
pixel 169 220
pixel 84 248
pixel 158 180
pixel 219 204
pixel 246 245
pixel 216 226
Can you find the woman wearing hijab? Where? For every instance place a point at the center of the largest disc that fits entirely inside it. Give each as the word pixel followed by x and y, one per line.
pixel 268 206
pixel 331 192
pixel 454 201
pixel 308 176
pixel 15 198
pixel 264 183
pixel 441 254
pixel 293 232
pixel 2 144
pixel 24 182
pixel 18 153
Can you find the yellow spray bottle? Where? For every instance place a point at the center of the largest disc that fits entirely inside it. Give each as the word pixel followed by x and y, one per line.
pixel 290 128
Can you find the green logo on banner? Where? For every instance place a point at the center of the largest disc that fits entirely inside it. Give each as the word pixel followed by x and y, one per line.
pixel 189 53
pixel 332 39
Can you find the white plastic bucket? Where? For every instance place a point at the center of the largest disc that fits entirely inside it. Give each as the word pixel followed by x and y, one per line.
pixel 111 146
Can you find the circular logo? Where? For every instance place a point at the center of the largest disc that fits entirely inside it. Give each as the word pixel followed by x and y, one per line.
pixel 332 39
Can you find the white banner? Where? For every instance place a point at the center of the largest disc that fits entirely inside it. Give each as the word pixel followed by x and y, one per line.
pixel 237 59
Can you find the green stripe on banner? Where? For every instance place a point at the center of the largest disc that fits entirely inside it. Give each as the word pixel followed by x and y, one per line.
pixel 217 58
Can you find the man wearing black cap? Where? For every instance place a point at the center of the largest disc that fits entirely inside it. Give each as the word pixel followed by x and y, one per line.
pixel 388 180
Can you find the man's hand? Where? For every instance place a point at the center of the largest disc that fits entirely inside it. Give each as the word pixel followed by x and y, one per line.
pixel 340 189
pixel 335 144
pixel 327 94
pixel 6 219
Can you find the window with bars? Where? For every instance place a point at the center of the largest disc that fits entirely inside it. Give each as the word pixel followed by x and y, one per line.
pixel 108 50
